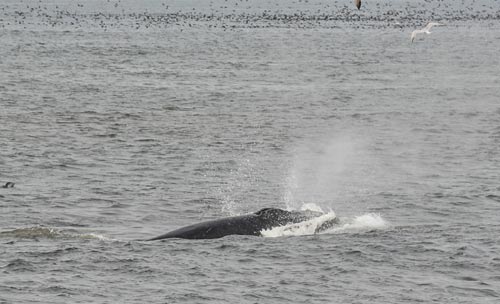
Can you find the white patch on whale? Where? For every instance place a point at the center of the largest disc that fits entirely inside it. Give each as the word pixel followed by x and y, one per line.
pixel 303 228
pixel 358 224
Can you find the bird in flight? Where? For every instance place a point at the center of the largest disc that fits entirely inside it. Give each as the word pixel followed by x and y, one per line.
pixel 426 29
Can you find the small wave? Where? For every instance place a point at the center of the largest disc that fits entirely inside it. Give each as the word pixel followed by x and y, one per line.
pixel 17 264
pixel 32 233
pixel 49 233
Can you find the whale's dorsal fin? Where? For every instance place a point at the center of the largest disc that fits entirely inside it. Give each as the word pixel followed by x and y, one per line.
pixel 275 213
pixel 263 211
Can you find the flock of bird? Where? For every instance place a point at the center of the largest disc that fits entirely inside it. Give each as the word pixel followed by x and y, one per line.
pixel 41 15
pixel 234 14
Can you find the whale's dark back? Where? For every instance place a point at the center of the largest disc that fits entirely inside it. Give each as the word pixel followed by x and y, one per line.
pixel 250 224
pixel 241 225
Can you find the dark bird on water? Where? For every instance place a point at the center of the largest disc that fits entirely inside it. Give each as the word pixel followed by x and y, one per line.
pixel 8 185
pixel 357 3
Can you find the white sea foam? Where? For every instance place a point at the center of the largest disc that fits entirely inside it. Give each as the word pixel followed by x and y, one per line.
pixel 311 207
pixel 365 222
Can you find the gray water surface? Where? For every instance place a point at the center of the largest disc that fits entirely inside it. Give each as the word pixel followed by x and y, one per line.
pixel 120 122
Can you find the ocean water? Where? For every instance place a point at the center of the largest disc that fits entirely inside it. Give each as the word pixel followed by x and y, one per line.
pixel 122 120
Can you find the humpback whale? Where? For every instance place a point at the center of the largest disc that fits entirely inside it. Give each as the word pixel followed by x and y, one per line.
pixel 249 224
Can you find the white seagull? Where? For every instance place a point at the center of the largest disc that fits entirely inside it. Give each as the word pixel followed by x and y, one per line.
pixel 426 30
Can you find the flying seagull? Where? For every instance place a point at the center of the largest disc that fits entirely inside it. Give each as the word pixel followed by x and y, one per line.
pixel 357 3
pixel 426 30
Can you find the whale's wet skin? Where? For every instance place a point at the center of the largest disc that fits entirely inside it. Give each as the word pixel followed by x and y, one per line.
pixel 124 120
pixel 250 224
